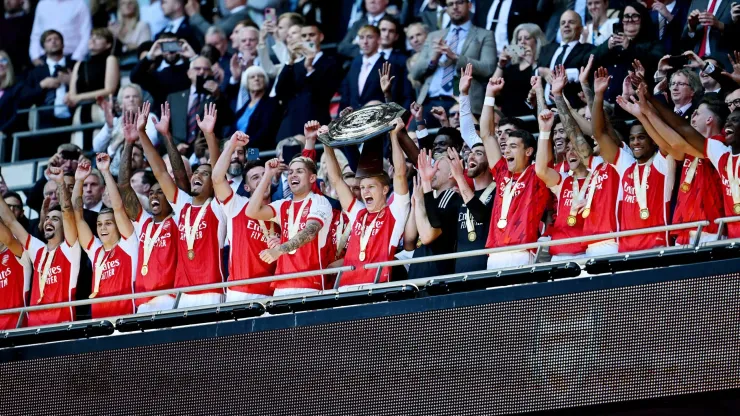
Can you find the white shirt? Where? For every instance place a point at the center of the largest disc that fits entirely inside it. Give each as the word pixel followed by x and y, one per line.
pixel 386 53
pixel 602 33
pixel 682 109
pixel 154 17
pixel 71 18
pixel 97 207
pixel 435 87
pixel 164 64
pixel 60 110
pixel 374 20
pixel 174 25
pixel 571 73
pixel 500 34
pixel 367 66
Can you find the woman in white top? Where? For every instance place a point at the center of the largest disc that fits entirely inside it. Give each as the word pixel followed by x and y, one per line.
pixel 598 30
pixel 110 138
pixel 128 28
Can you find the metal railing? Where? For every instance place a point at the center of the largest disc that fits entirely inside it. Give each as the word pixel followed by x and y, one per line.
pixel 44 132
pixel 698 225
pixel 721 222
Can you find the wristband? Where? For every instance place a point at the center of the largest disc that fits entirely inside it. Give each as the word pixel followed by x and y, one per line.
pixel 544 135
pixel 490 102
pixel 422 133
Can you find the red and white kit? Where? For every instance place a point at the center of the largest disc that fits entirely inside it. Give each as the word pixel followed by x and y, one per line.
pixel 600 214
pixel 374 238
pixel 54 280
pixel 292 217
pixel 114 272
pixel 15 281
pixel 199 249
pixel 571 194
pixel 248 239
pixel 644 198
pixel 728 168
pixel 157 249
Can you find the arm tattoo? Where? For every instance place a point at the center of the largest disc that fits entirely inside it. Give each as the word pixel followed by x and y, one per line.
pixel 178 168
pixel 541 105
pixel 572 131
pixel 589 93
pixel 65 200
pixel 302 238
pixel 130 200
pixel 77 204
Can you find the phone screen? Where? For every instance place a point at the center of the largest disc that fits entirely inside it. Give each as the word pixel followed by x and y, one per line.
pixel 270 14
pixel 253 153
pixel 170 46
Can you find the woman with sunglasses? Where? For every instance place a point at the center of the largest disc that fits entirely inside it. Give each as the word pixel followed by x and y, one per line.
pixel 634 37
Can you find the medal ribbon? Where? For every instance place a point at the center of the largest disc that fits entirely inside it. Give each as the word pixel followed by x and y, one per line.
pixel 734 179
pixel 483 197
pixel 293 221
pixel 99 269
pixel 641 185
pixel 191 230
pixel 45 265
pixel 364 233
pixel 508 196
pixel 150 240
pixel 344 236
pixel 579 194
pixel 691 172
pixel 591 190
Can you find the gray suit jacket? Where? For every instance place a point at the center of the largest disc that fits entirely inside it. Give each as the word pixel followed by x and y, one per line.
pixel 227 23
pixel 478 49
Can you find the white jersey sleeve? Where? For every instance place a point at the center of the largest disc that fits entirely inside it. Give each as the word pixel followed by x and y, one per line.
pixel 277 209
pixel 714 150
pixel 354 209
pixel 33 246
pixel 624 161
pixel 73 254
pixel 320 210
pixel 667 167
pixel 400 207
pixel 90 250
pixel 233 205
pixel 555 189
pixel 27 262
pixel 181 199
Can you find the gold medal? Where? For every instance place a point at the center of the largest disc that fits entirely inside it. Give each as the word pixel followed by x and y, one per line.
pixel 586 212
pixel 736 209
pixel 191 254
pixel 362 256
pixel 501 223
pixel 644 214
pixel 472 236
pixel 418 242
pixel 92 295
pixel 685 187
pixel 571 220
pixel 144 270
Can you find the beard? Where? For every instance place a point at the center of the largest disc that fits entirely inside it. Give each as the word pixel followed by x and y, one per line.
pixel 235 169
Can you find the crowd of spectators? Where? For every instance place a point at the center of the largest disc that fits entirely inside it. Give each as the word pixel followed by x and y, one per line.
pixel 529 120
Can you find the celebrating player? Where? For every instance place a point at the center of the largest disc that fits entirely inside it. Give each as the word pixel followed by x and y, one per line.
pixel 15 276
pixel 113 253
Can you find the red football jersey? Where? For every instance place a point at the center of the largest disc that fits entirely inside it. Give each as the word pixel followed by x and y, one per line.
pixel 205 267
pixel 247 241
pixel 310 256
pixel 527 207
pixel 61 280
pixel 721 155
pixel 382 242
pixel 659 188
pixel 15 281
pixel 702 201
pixel 561 230
pixel 117 277
pixel 161 267
pixel 602 218
pixel 340 224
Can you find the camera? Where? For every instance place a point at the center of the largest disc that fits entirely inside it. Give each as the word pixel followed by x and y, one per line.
pixel 200 81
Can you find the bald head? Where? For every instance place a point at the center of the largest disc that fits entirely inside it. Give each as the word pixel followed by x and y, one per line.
pixel 571 26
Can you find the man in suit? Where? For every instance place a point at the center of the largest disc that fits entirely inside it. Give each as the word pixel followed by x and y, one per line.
pixel 502 16
pixel 306 88
pixel 390 30
pixel 705 27
pixel 685 89
pixel 179 24
pixel 669 17
pixel 571 53
pixel 237 13
pixel 554 9
pixel 162 73
pixel 445 52
pixel 186 105
pixel 374 11
pixel 362 83
pixel 47 84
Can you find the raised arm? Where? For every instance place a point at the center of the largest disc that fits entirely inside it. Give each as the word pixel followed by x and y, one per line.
pixel 680 125
pixel 68 216
pixel 178 168
pixel 84 231
pixel 487 124
pixel 572 131
pixel 549 176
pixel 386 81
pixel 633 107
pixel 456 167
pixel 255 208
pixel 12 243
pixel 467 124
pixel 220 185
pixel 345 194
pixel 585 85
pixel 12 223
pixel 665 131
pixel 608 148
pixel 130 199
pixel 152 156
pixel 125 226
pixel 410 232
pixel 400 185
pixel 207 126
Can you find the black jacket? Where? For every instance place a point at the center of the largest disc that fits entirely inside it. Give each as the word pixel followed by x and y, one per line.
pixel 162 83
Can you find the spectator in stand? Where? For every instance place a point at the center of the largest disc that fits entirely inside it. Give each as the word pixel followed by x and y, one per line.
pixel 553 10
pixel 15 34
pixel 277 35
pixel 95 77
pixel 685 88
pixel 92 191
pixel 128 28
pixel 710 75
pixel 162 73
pixel 103 12
pixel 15 203
pixel 571 53
pixel 217 39
pixel 637 41
pixel 433 15
pixel 732 100
pixel 110 138
pixel 187 105
pixel 706 24
pixel 306 89
pixel 10 93
pixel 374 11
pixel 599 29
pixel 390 30
pixel 248 41
pixel 502 16
pixel 71 18
pixel 517 69
pixel 258 118
pixel 154 17
pixel 446 52
pixel 362 83
pixel 179 24
pixel 669 19
pixel 237 12
pixel 416 34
